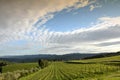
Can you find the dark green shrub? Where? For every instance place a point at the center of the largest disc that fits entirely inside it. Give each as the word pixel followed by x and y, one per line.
pixel 42 63
pixel 0 69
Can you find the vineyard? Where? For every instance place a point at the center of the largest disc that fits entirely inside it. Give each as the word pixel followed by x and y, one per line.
pixel 107 68
pixel 73 71
pixel 14 71
pixel 18 66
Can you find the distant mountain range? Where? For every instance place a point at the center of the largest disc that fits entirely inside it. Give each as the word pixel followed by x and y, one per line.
pixel 33 58
pixel 65 57
pixel 103 55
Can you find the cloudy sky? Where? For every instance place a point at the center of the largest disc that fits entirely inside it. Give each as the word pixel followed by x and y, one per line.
pixel 59 26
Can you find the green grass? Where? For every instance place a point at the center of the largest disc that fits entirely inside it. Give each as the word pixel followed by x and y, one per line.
pixel 65 71
pixel 92 69
pixel 18 66
pixel 6 62
pixel 114 58
pixel 113 76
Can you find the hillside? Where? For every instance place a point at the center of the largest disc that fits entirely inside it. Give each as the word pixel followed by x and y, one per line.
pixel 104 59
pixel 87 71
pixel 103 55
pixel 18 66
pixel 65 57
pixel 34 58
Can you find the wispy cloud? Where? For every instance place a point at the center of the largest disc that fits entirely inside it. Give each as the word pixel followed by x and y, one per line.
pixel 93 6
pixel 25 20
pixel 21 17
pixel 85 40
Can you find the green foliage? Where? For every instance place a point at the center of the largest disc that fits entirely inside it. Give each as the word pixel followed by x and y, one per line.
pixel 106 59
pixel 18 66
pixel 92 69
pixel 0 69
pixel 42 63
pixel 15 75
pixel 65 71
pixel 3 63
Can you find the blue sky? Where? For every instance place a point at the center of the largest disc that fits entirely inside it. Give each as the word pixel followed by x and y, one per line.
pixel 59 27
pixel 70 20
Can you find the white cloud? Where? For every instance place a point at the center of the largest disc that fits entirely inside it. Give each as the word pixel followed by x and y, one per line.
pixel 107 29
pixel 93 6
pixel 24 19
pixel 20 16
pixel 18 22
pixel 102 37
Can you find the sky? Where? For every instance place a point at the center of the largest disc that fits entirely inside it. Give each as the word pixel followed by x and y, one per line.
pixel 29 27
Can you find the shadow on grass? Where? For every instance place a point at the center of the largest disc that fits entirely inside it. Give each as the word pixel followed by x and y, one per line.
pixel 81 62
pixel 113 63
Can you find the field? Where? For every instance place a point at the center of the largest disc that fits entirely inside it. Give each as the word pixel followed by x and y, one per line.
pixel 114 58
pixel 92 69
pixel 14 71
pixel 18 66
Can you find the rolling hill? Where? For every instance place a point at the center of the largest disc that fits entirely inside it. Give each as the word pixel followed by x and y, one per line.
pixel 34 58
pixel 87 71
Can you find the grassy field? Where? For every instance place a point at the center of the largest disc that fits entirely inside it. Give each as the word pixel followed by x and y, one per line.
pixel 18 66
pixel 114 58
pixel 80 71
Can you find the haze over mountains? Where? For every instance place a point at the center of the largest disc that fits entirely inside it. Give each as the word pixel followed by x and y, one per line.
pixel 65 57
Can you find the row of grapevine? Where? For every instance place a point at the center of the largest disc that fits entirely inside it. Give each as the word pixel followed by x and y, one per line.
pixel 65 71
pixel 15 75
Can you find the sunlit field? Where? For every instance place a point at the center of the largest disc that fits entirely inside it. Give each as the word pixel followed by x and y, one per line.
pixel 18 66
pixel 79 71
pixel 14 71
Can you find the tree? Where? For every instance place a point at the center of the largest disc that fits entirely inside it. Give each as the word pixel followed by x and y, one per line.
pixel 42 63
pixel 2 64
pixel 0 69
